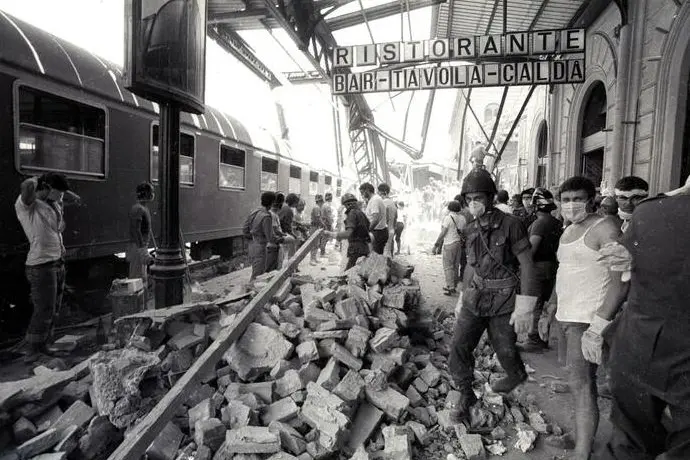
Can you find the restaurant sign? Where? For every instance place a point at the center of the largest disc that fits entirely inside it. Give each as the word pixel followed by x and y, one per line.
pixel 518 58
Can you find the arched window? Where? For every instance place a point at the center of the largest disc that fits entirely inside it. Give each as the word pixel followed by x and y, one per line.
pixel 593 134
pixel 542 153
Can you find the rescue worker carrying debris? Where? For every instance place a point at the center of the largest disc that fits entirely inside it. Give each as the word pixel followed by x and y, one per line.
pixel 499 265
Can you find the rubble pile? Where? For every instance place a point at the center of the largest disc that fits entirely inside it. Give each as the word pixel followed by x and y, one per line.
pixel 342 368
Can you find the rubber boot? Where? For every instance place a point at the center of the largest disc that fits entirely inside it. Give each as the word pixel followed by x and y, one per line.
pixel 507 384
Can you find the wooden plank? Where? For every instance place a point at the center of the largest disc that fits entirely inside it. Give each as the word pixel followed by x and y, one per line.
pixel 145 432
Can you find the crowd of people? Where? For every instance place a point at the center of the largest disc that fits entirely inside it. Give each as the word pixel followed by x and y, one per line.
pixel 605 276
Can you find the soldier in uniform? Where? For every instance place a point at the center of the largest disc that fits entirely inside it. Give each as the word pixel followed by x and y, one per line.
pixel 649 365
pixel 499 265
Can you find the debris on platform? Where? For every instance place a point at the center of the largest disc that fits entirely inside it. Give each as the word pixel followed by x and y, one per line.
pixel 342 368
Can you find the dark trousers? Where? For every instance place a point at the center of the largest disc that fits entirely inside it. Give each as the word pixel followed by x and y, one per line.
pixel 468 330
pixel 272 253
pixel 47 283
pixel 546 276
pixel 380 240
pixel 638 433
pixel 257 257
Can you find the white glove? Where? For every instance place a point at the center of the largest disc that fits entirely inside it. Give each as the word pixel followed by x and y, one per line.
pixel 592 341
pixel 522 318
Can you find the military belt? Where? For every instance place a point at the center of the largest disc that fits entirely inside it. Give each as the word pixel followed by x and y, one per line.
pixel 485 283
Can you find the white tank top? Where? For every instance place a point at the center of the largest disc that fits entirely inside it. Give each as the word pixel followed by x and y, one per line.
pixel 581 281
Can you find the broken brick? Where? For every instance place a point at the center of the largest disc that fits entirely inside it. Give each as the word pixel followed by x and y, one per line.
pixel 165 446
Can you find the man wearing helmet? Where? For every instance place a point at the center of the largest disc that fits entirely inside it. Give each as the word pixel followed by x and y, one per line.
pixel 499 264
pixel 356 230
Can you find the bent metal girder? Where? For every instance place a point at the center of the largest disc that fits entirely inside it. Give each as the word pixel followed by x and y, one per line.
pixel 302 21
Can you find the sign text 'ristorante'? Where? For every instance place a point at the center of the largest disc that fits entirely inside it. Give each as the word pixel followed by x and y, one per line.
pixel 524 58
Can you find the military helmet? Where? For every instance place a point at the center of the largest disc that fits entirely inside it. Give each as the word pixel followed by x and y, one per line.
pixel 347 198
pixel 478 180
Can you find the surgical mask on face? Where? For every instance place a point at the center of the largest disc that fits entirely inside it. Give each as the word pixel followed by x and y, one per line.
pixel 476 208
pixel 574 211
pixel 624 215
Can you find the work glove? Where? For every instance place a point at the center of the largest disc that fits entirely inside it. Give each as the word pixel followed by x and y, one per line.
pixel 592 341
pixel 545 321
pixel 522 318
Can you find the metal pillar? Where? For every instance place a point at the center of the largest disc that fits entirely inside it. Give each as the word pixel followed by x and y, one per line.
pixel 461 148
pixel 169 266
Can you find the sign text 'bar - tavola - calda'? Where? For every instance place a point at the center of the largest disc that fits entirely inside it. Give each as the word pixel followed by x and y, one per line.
pixel 557 56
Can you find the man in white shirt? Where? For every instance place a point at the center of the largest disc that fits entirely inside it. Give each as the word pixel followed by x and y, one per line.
pixel 391 217
pixel 585 287
pixel 39 210
pixel 502 202
pixel 376 213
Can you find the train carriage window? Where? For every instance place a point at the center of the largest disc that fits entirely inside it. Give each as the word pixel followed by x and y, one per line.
pixel 313 183
pixel 295 180
pixel 339 187
pixel 269 175
pixel 58 134
pixel 187 151
pixel 328 181
pixel 231 167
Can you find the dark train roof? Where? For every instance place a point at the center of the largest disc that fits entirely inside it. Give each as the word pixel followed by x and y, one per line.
pixel 37 51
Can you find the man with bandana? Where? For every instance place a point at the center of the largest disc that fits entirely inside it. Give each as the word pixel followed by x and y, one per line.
pixel 500 292
pixel 650 340
pixel 544 234
pixel 585 290
pixel 629 192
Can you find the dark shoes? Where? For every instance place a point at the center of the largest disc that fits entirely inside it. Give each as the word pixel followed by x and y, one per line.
pixel 507 384
pixel 460 410
pixel 532 345
pixel 449 291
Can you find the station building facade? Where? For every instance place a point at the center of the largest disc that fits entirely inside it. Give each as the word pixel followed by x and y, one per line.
pixel 630 116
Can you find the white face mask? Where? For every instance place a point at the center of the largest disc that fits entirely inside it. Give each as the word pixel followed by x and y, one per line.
pixel 574 211
pixel 476 208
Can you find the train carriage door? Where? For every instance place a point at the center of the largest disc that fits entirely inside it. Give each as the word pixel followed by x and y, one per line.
pixel 594 135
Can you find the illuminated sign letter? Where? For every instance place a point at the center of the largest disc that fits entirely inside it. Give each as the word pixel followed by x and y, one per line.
pixel 573 41
pixel 476 75
pixel 576 70
pixel 438 49
pixel 366 55
pixel 491 74
pixel 507 74
pixel 342 56
pixel 490 45
pixel 464 47
pixel 443 77
pixel 544 42
pixel 339 83
pixel 517 44
pixel 390 52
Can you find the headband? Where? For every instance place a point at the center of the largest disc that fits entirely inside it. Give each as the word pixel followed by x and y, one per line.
pixel 631 193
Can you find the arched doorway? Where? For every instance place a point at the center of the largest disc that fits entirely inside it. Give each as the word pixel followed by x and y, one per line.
pixel 593 135
pixel 685 152
pixel 542 154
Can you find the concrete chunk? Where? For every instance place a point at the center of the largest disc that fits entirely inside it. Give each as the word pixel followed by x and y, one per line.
pixel 397 443
pixel 165 446
pixel 236 415
pixel 69 441
pixel 309 373
pixel 472 446
pixel 325 295
pixel 289 383
pixel 330 375
pixel 282 456
pixel 307 351
pixel 413 395
pixel 249 440
pixel 420 432
pixel 347 308
pixel 200 412
pixel 335 324
pixel 257 351
pixel 365 422
pixel 210 433
pixel 38 444
pixel 344 356
pixel 350 387
pixel 79 413
pixel 48 418
pixel 389 401
pixel 384 339
pixel 23 430
pixel 431 375
pixel 280 411
pixel 335 335
pixel 263 390
pixel 357 340
pixel 290 439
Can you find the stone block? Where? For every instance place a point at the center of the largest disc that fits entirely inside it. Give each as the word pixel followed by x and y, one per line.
pixel 289 330
pixel 325 295
pixel 383 363
pixel 334 334
pixel 23 430
pixel 413 395
pixel 263 390
pixel 365 422
pixel 47 419
pixel 202 453
pixel 283 292
pixel 282 456
pixel 324 347
pixel 394 297
pixel 185 339
pixel 257 351
pixel 347 308
pixel 314 315
pixel 344 356
pixel 384 339
pixel 350 388
pixel 360 454
pixel 79 413
pixel 198 394
pixel 165 446
pixel 280 368
pixel 290 439
pixel 397 443
pixel 299 396
pixel 39 444
pixel 200 412
pixel 288 383
pixel 249 440
pixel 420 432
pixel 51 456
pixel 335 325
pixel 472 446
pixel 76 391
pixel 376 380
pixel 420 385
pixel 236 415
pixel 537 422
pixel 389 401
pixel 330 375
pixel 210 433
pixel 280 411
pixel 375 269
pixel 307 293
pixel 69 441
pixel 309 373
pixel 317 451
pixel 323 411
pixel 431 375
pixel 307 351
pixel 422 414
pixel 357 340
pixel 100 440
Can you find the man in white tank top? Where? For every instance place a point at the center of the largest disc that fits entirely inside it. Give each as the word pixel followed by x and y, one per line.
pixel 584 289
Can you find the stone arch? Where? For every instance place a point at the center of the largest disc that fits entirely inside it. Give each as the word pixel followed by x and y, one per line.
pixel 538 122
pixel 669 115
